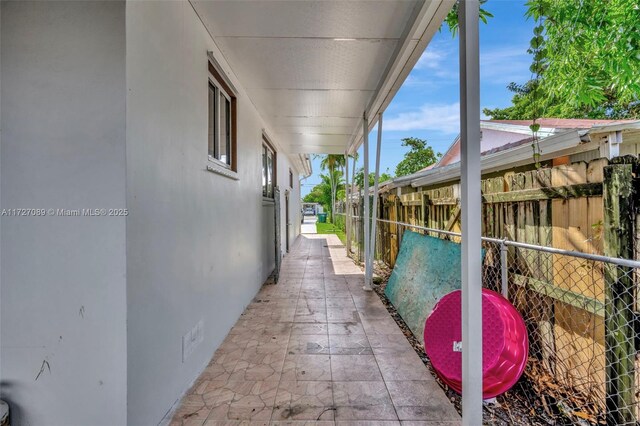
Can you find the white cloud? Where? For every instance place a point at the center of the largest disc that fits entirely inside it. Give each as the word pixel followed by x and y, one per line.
pixel 437 64
pixel 444 118
pixel 423 83
pixel 504 65
pixel 431 58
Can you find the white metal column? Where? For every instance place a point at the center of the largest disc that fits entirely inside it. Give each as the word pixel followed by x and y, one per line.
pixel 355 230
pixel 468 14
pixel 365 219
pixel 347 208
pixel 374 210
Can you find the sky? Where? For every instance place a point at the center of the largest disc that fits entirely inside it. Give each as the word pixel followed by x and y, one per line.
pixel 427 104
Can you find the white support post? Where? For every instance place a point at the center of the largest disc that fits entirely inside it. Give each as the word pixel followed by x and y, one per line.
pixel 367 230
pixel 355 229
pixel 374 210
pixel 347 212
pixel 468 15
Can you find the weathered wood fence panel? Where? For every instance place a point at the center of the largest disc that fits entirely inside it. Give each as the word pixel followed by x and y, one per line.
pixel 565 300
pixel 579 334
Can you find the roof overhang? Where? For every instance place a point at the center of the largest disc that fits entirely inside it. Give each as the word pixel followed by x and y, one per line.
pixel 543 132
pixel 313 69
pixel 428 19
pixel 303 164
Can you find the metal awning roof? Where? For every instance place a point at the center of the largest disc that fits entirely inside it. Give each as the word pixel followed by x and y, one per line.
pixel 312 68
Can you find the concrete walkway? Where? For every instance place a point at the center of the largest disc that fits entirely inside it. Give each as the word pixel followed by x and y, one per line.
pixel 309 225
pixel 316 349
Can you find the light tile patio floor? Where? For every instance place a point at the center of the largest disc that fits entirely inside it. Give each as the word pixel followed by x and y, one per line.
pixel 316 349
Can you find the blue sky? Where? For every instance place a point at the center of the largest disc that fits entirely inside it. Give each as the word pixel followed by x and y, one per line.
pixel 427 105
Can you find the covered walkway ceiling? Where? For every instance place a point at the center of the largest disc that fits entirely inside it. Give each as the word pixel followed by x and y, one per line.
pixel 313 67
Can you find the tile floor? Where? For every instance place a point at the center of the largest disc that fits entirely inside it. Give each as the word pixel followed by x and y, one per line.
pixel 309 225
pixel 316 349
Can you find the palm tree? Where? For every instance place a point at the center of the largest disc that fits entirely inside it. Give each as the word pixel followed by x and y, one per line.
pixel 332 162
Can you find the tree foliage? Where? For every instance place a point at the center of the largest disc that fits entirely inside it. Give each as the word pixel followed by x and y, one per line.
pixel 317 195
pixel 452 17
pixel 419 156
pixel 586 55
pixel 333 163
pixel 322 192
pixel 359 178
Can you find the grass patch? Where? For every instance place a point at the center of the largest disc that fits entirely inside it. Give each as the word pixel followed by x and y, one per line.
pixel 330 228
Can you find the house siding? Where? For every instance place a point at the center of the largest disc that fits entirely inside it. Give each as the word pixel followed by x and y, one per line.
pixel 105 106
pixel 63 290
pixel 199 245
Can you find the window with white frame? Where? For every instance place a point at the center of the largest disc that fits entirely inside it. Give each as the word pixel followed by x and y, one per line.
pixel 222 125
pixel 268 169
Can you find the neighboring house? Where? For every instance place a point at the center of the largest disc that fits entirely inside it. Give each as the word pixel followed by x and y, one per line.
pixel 506 144
pixel 190 123
pixel 501 135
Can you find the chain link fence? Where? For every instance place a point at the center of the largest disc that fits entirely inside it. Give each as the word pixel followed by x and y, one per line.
pixel 581 314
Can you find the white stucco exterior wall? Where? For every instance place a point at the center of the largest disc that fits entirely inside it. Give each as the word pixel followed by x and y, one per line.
pixel 199 245
pixel 294 203
pixel 104 105
pixel 63 279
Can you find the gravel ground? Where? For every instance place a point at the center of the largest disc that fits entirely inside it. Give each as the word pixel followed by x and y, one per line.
pixel 522 405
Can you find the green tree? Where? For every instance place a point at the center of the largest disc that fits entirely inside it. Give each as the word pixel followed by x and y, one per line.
pixel 525 105
pixel 359 177
pixel 452 17
pixel 317 195
pixel 586 56
pixel 333 163
pixel 322 192
pixel 419 156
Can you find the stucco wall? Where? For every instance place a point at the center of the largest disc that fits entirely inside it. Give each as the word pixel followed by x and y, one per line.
pixel 93 120
pixel 195 240
pixel 63 290
pixel 294 203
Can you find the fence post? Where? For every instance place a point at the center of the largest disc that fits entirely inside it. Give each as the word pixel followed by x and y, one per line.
pixel 503 269
pixel 619 213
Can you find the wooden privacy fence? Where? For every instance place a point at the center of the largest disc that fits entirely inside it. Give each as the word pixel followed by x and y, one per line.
pixel 581 313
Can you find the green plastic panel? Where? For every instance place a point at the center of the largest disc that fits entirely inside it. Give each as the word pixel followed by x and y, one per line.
pixel 426 269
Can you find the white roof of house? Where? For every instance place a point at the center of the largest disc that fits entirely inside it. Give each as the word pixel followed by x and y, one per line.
pixel 509 150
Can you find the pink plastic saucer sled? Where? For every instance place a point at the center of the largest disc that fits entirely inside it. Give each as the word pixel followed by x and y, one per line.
pixel 504 335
